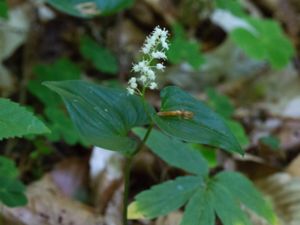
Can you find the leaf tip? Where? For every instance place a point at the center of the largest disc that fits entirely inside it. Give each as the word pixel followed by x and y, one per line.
pixel 133 212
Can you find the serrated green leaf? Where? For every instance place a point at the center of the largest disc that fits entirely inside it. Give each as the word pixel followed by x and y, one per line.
pixel 166 197
pixel 184 50
pixel 3 9
pixel 199 210
pixel 174 152
pixel 206 127
pixel 16 121
pixel 102 115
pixel 226 206
pixel 93 7
pixel 101 57
pixel 245 192
pixel 267 42
pixel 12 192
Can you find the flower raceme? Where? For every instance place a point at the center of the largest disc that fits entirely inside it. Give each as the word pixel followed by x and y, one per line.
pixel 153 50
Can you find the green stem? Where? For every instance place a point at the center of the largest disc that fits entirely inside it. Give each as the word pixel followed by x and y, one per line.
pixel 126 189
pixel 127 174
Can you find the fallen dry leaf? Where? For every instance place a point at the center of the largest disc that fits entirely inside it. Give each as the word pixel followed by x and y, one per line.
pixel 49 206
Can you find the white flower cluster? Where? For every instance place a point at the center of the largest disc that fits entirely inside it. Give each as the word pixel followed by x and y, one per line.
pixel 154 50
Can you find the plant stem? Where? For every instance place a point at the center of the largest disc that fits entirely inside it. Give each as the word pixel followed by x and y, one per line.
pixel 126 188
pixel 127 174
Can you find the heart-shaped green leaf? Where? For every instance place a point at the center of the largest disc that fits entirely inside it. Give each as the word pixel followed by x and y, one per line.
pixel 206 127
pixel 90 8
pixel 103 116
pixel 175 152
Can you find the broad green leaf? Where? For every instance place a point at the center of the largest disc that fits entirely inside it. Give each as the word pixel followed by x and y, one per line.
pixel 208 153
pixel 268 42
pixel 220 103
pixel 226 206
pixel 17 121
pixel 41 149
pixel 271 141
pixel 103 116
pixel 61 126
pixel 56 118
pixel 61 69
pixel 175 152
pixel 184 50
pixel 234 6
pixel 199 210
pixel 11 189
pixel 166 197
pixel 90 8
pixel 206 127
pixel 239 132
pixel 12 192
pixel 3 9
pixel 248 42
pixel 8 167
pixel 101 57
pixel 245 192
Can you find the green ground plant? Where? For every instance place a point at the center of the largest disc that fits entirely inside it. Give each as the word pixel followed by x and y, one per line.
pixel 105 117
pixel 110 118
pixel 15 121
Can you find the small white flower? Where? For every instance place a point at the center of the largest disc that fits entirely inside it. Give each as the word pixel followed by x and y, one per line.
pixel 157 31
pixel 160 66
pixel 146 49
pixel 136 68
pixel 150 74
pixel 159 55
pixel 165 45
pixel 130 91
pixel 142 64
pixel 164 33
pixel 143 79
pixel 154 47
pixel 132 83
pixel 132 80
pixel 152 40
pixel 153 85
